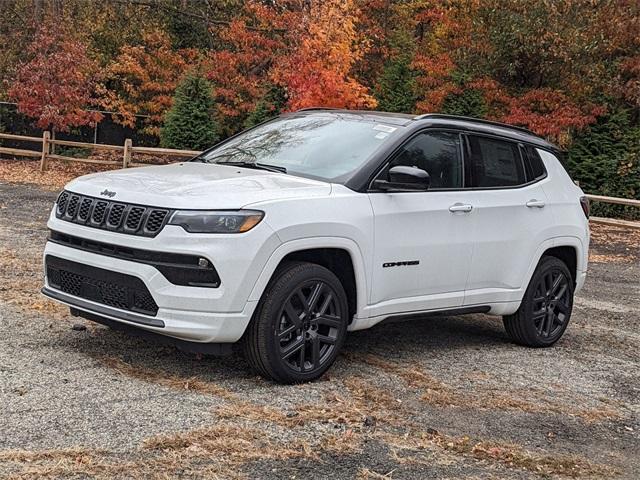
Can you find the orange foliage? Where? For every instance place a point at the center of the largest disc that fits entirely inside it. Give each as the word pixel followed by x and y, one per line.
pixel 142 80
pixel 443 28
pixel 629 85
pixel 318 73
pixel 550 113
pixel 538 63
pixel 254 42
pixel 54 86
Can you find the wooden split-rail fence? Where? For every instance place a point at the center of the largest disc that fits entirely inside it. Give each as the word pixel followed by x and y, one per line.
pixel 128 149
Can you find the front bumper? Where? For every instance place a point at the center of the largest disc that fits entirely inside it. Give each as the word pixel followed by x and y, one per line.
pixel 194 314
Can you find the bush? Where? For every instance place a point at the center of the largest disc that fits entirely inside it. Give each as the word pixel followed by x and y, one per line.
pixel 396 89
pixel 189 124
pixel 470 103
pixel 605 160
pixel 269 106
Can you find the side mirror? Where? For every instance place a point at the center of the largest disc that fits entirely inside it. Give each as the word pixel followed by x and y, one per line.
pixel 402 177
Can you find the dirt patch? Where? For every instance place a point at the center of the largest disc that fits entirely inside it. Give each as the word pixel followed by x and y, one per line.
pixel 614 244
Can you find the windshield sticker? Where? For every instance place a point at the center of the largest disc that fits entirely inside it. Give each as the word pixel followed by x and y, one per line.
pixel 384 128
pixel 381 135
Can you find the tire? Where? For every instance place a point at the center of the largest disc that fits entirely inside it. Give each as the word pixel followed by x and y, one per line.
pixel 545 310
pixel 299 325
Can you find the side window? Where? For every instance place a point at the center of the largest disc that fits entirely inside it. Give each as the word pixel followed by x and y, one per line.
pixel 437 153
pixel 495 163
pixel 535 163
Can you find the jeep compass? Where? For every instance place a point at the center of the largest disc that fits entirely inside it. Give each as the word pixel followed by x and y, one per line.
pixel 289 235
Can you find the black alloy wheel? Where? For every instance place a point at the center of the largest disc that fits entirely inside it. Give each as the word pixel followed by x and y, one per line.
pixel 299 325
pixel 551 303
pixel 545 310
pixel 309 324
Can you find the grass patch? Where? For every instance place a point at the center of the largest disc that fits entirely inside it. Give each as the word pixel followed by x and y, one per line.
pixel 167 379
pixel 508 455
pixel 21 279
pixel 485 396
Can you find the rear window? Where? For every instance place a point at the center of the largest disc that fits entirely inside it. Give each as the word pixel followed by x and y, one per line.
pixel 495 163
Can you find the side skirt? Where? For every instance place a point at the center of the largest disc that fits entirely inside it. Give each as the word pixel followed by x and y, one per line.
pixel 452 312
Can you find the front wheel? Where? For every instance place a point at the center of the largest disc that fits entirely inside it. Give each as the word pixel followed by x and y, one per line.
pixel 299 325
pixel 546 307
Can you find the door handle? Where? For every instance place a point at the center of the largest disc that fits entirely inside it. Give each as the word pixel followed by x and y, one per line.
pixel 535 204
pixel 460 207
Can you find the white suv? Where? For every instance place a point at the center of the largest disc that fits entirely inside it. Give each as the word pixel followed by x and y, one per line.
pixel 290 234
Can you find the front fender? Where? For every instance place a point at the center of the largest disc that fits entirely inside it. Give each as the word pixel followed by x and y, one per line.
pixel 310 243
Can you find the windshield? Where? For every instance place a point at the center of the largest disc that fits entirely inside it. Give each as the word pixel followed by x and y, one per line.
pixel 324 146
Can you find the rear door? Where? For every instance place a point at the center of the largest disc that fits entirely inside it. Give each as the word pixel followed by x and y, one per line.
pixel 423 239
pixel 512 217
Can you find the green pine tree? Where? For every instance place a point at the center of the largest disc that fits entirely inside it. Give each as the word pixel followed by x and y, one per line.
pixel 269 106
pixel 189 123
pixel 470 103
pixel 605 160
pixel 396 90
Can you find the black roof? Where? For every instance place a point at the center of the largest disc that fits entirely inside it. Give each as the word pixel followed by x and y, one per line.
pixel 512 132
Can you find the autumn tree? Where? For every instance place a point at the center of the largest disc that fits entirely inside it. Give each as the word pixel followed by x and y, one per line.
pixel 241 74
pixel 55 85
pixel 319 70
pixel 142 79
pixel 189 123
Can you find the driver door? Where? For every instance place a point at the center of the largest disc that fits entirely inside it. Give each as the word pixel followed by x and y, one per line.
pixel 423 239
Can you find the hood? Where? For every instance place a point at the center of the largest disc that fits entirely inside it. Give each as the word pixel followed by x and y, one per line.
pixel 196 186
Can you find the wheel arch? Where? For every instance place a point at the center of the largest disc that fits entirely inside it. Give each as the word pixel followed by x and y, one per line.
pixel 340 255
pixel 568 255
pixel 568 249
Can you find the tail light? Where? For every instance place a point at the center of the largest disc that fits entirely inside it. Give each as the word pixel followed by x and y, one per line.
pixel 584 203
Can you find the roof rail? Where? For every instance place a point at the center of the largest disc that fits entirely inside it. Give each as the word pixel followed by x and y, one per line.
pixel 310 109
pixel 472 119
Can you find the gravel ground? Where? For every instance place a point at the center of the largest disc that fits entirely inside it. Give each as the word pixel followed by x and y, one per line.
pixel 438 398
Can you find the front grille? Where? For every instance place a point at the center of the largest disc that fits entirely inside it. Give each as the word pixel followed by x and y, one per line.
pixel 62 202
pixel 72 208
pixel 156 220
pixel 114 216
pixel 134 218
pixel 98 285
pixel 85 209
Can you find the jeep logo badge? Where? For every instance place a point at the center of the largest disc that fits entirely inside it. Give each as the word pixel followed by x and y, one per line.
pixel 108 193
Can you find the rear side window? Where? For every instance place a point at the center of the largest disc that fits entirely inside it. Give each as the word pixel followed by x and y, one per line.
pixel 437 153
pixel 535 167
pixel 495 163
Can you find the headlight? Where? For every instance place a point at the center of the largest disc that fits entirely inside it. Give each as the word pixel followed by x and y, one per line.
pixel 216 221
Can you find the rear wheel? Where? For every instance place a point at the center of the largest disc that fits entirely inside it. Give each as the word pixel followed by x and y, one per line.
pixel 546 307
pixel 299 325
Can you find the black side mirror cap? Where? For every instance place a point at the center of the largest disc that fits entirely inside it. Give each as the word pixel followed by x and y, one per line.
pixel 402 177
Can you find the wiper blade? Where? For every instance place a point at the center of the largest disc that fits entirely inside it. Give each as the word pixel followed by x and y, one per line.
pixel 257 166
